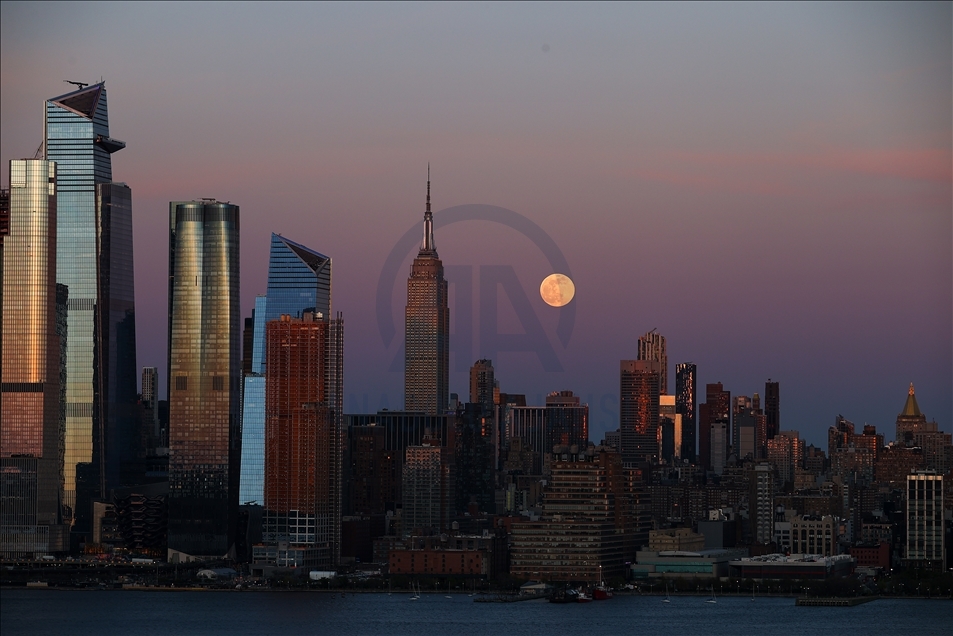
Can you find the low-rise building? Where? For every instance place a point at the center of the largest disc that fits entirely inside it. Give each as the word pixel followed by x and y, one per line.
pixel 795 566
pixel 684 563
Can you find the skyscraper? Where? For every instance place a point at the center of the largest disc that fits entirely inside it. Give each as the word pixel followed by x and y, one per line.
pixel 716 416
pixel 302 490
pixel 685 401
pixel 426 328
pixel 95 261
pixel 640 381
pixel 205 375
pixel 31 438
pixel 299 281
pixel 926 537
pixel 772 408
pixel 652 348
pixel 482 383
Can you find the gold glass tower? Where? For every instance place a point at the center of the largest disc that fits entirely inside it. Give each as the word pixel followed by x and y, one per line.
pixel 34 320
pixel 426 328
pixel 205 377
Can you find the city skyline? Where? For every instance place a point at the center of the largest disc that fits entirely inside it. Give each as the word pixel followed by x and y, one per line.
pixel 800 225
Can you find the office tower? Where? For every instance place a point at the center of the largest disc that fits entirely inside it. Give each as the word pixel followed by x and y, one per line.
pixel 747 438
pixel 652 349
pixel 714 413
pixel 426 328
pixel 910 420
pixel 685 406
pixel 761 504
pixel 204 369
pixel 562 421
pixel 482 383
pixel 926 536
pixel 670 429
pixel 772 408
pixel 34 308
pixel 302 477
pixel 638 423
pixel 95 261
pixel 739 404
pixel 475 457
pixel 299 281
pixel 427 488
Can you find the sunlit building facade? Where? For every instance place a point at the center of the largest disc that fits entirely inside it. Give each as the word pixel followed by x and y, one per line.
pixel 427 329
pixel 652 348
pixel 302 489
pixel 205 377
pixel 640 381
pixel 685 401
pixel 94 260
pixel 34 322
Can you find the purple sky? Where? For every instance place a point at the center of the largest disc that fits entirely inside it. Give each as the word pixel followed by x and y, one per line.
pixel 770 186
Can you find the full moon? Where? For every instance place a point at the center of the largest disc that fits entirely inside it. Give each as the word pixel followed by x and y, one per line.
pixel 557 290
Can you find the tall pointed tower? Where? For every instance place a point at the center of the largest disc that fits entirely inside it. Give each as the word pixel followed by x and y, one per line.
pixel 426 328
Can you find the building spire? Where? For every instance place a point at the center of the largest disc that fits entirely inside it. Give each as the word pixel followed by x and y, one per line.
pixel 428 244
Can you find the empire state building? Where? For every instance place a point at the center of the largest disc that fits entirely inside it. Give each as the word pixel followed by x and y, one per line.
pixel 426 328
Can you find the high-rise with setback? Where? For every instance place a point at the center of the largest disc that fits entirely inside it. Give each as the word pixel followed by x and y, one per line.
pixel 426 328
pixel 95 261
pixel 205 376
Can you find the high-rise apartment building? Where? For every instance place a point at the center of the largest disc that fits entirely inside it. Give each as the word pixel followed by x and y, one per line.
pixel 761 503
pixel 427 328
pixel 652 348
pixel 95 261
pixel 205 377
pixel 640 381
pixel 33 358
pixel 427 488
pixel 772 408
pixel 685 401
pixel 786 452
pixel 926 536
pixel 302 490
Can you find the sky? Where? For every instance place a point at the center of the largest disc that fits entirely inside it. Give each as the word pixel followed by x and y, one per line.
pixel 768 185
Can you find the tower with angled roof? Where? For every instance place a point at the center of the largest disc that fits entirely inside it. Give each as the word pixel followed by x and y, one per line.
pixel 94 259
pixel 427 328
pixel 299 284
pixel 911 420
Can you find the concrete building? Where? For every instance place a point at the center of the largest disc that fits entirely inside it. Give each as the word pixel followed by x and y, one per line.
pixel 814 534
pixel 761 504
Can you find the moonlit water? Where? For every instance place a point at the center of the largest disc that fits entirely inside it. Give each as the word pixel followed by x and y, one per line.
pixel 145 613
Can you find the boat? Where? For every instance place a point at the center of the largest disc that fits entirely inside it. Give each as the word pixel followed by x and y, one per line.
pixel 564 595
pixel 712 599
pixel 416 593
pixel 666 599
pixel 447 595
pixel 583 597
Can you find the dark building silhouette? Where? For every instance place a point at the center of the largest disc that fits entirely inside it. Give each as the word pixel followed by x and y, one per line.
pixel 685 401
pixel 772 408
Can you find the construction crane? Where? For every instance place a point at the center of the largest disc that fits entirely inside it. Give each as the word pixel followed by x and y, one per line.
pixel 79 85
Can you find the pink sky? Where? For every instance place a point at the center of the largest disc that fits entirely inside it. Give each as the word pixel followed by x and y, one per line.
pixel 769 185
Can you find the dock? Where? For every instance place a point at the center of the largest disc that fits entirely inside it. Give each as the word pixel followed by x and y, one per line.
pixel 834 602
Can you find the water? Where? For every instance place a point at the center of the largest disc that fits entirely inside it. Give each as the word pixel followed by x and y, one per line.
pixel 146 613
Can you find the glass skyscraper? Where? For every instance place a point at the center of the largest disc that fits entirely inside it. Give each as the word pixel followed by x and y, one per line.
pixel 94 260
pixel 205 377
pixel 299 281
pixel 34 321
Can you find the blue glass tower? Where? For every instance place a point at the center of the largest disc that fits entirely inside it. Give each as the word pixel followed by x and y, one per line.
pixel 94 260
pixel 299 280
